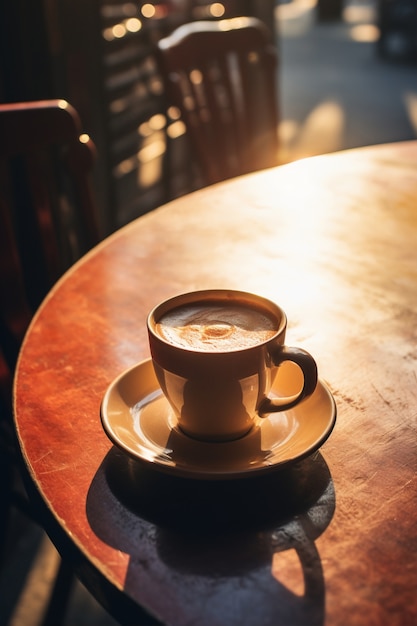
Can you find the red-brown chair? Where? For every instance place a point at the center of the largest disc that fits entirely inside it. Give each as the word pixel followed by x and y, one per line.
pixel 48 219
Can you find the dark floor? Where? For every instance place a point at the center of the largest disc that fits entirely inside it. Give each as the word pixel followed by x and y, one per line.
pixel 29 567
pixel 335 94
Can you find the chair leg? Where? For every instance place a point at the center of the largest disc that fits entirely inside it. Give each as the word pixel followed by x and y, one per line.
pixel 13 495
pixel 5 498
pixel 60 596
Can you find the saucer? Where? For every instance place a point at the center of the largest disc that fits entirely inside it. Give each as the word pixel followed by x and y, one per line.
pixel 138 419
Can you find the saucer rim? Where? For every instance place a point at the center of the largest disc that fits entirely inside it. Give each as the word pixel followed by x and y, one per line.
pixel 209 474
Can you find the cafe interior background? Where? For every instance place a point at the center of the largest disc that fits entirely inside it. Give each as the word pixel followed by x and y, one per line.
pixel 337 89
pixel 98 55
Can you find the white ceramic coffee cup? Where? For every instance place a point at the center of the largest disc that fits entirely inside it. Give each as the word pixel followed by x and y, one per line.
pixel 215 370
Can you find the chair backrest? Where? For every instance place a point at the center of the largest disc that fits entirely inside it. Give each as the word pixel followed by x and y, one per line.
pixel 222 76
pixel 48 216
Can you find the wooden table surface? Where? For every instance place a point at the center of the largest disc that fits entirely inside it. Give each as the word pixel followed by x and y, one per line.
pixel 333 540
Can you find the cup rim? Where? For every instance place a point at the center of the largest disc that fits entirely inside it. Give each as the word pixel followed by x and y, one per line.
pixel 207 295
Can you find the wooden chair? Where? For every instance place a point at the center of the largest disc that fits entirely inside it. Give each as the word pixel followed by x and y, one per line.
pixel 47 211
pixel 47 220
pixel 222 76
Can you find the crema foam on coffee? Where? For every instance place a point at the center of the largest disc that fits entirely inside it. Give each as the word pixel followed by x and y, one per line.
pixel 216 327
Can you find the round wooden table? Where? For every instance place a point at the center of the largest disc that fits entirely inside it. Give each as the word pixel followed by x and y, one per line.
pixel 331 539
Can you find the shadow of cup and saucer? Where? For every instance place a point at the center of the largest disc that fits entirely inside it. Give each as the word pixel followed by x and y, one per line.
pixel 231 534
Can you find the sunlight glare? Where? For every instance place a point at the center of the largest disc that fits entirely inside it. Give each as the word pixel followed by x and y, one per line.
pixel 176 129
pixel 292 10
pixel 217 9
pixel 358 13
pixel 148 10
pixel 108 34
pixel 364 33
pixel 157 121
pixel 150 160
pixel 411 106
pixel 196 77
pixel 119 31
pixel 174 113
pixel 152 150
pixel 133 25
pixel 287 133
pixel 125 167
pixel 295 18
pixel 321 132
pixel 144 129
pixel 237 22
pixel 288 130
pixel 150 173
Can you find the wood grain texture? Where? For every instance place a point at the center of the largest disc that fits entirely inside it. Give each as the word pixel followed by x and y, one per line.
pixel 333 240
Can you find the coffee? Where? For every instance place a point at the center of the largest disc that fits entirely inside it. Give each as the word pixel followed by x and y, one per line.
pixel 216 326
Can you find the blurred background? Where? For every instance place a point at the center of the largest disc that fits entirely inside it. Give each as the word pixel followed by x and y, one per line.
pixel 347 77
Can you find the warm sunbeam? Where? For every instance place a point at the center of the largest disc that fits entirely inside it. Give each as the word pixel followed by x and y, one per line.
pixel 217 9
pixel 365 33
pixel 288 130
pixel 148 10
pixel 411 106
pixel 294 9
pixel 355 13
pixel 321 132
pixel 296 17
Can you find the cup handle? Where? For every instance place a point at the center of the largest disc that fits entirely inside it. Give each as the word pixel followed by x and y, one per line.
pixel 308 366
